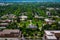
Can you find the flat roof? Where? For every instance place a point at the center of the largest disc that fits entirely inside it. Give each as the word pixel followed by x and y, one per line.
pixel 9 33
pixel 5 20
pixel 51 37
pixel 22 16
pixel 3 23
pixel 50 31
pixel 50 34
pixel 2 27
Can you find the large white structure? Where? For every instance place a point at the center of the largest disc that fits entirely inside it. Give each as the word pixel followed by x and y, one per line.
pixel 51 35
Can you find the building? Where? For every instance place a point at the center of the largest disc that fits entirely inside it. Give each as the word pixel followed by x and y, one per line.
pixel 9 34
pixel 51 35
pixel 4 23
pixel 48 13
pixel 58 22
pixel 23 17
pixel 32 26
pixel 50 8
pixel 36 16
pixel 57 8
pixel 39 17
pixel 12 16
pixel 49 21
pixel 9 16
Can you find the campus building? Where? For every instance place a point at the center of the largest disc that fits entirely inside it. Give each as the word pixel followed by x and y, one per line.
pixel 4 23
pixel 51 35
pixel 9 34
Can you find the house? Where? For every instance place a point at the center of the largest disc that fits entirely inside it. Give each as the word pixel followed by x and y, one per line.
pixel 58 22
pixel 49 21
pixel 57 8
pixel 32 26
pixel 12 16
pixel 10 34
pixel 48 13
pixel 50 8
pixel 4 23
pixel 23 17
pixel 38 17
pixel 9 16
pixel 51 35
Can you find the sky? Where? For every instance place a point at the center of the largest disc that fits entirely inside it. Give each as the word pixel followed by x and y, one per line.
pixel 29 0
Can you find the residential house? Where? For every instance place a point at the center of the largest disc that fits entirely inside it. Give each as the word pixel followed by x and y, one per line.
pixel 23 17
pixel 49 21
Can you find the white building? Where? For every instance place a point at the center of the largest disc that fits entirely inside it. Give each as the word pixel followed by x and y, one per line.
pixel 50 8
pixel 5 21
pixel 49 21
pixel 57 8
pixel 51 35
pixel 23 17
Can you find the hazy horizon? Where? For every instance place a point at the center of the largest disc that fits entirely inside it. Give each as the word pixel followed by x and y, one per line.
pixel 29 0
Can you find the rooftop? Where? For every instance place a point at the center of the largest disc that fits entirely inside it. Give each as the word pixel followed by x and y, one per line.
pixel 32 26
pixel 9 33
pixel 22 16
pixel 51 37
pixel 52 34
pixel 5 21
